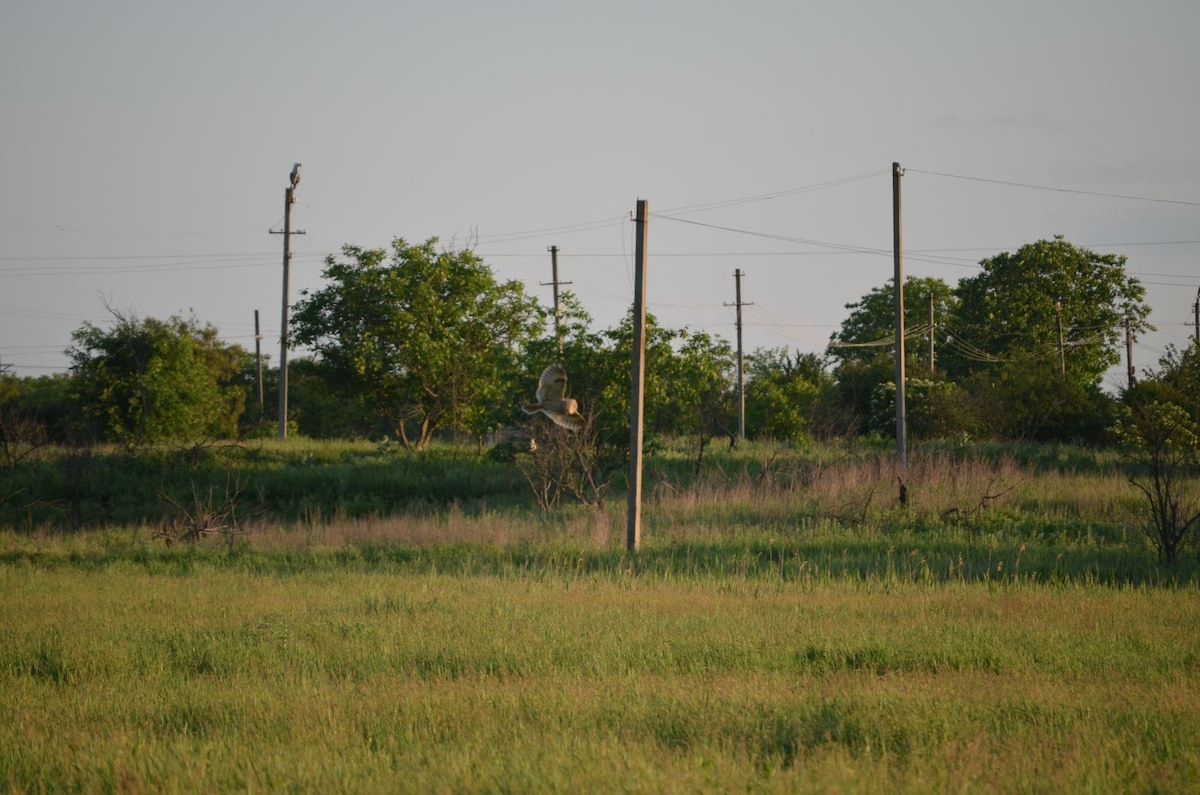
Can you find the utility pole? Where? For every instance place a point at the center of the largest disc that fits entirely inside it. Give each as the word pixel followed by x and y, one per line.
pixel 932 328
pixel 557 309
pixel 289 198
pixel 1129 352
pixel 741 370
pixel 633 535
pixel 258 359
pixel 1196 310
pixel 1062 348
pixel 898 254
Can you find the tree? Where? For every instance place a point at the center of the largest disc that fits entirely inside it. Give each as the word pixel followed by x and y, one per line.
pixel 863 349
pixel 1013 308
pixel 321 409
pixel 429 338
pixel 36 409
pixel 152 380
pixel 1177 380
pixel 1165 441
pixel 583 463
pixel 1022 398
pixel 784 393
pixel 701 374
pixel 869 332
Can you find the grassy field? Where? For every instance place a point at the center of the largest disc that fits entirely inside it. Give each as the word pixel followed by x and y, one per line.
pixel 786 627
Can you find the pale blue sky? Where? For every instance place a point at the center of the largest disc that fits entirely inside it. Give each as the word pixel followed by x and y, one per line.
pixel 146 148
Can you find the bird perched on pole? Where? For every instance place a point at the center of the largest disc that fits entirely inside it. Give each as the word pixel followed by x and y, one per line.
pixel 552 399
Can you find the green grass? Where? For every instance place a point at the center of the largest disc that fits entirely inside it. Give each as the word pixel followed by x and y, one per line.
pixel 567 666
pixel 785 627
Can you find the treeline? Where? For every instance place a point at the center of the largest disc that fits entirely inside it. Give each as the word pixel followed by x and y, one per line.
pixel 415 341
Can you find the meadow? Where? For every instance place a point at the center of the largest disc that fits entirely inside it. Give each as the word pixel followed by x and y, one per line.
pixel 786 626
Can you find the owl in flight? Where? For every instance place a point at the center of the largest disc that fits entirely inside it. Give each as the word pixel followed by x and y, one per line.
pixel 552 400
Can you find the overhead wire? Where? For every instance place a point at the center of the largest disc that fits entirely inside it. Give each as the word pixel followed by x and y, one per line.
pixel 178 262
pixel 1053 189
pixel 695 208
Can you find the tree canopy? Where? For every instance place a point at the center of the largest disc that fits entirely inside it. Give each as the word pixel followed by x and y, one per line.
pixel 1011 311
pixel 145 380
pixel 783 393
pixel 428 337
pixel 872 319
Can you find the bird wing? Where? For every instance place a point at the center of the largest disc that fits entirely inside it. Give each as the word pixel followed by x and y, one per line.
pixel 572 422
pixel 552 386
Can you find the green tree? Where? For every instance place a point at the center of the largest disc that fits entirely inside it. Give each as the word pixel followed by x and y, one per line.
pixel 784 393
pixel 868 333
pixel 1177 380
pixel 40 407
pixel 1021 398
pixel 1165 442
pixel 583 463
pixel 429 338
pixel 701 401
pixel 146 380
pixel 320 409
pixel 934 409
pixel 863 349
pixel 1011 311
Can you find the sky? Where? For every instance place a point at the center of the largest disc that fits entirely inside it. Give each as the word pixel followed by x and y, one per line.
pixel 146 146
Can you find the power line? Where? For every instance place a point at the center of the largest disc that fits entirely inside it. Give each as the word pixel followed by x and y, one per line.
pixel 695 208
pixel 508 237
pixel 89 257
pixel 1054 190
pixel 169 267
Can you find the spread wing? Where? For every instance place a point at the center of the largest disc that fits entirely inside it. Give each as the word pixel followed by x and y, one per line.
pixel 552 386
pixel 570 419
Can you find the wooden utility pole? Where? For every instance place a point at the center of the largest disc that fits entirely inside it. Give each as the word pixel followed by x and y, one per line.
pixel 289 198
pixel 1062 346
pixel 898 249
pixel 258 359
pixel 557 309
pixel 1196 310
pixel 633 535
pixel 932 328
pixel 1129 352
pixel 741 370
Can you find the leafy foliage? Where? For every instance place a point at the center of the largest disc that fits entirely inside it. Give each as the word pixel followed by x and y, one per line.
pixel 429 338
pixel 784 393
pixel 145 380
pixel 1177 380
pixel 863 349
pixel 873 319
pixel 702 375
pixel 1166 441
pixel 933 409
pixel 1011 310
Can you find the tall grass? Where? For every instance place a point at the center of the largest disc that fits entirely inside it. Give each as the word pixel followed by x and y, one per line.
pixel 547 680
pixel 785 626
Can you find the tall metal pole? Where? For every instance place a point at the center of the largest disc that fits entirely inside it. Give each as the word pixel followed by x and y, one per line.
pixel 932 328
pixel 633 535
pixel 1196 309
pixel 258 360
pixel 898 253
pixel 289 198
pixel 1129 352
pixel 1062 346
pixel 557 307
pixel 741 361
